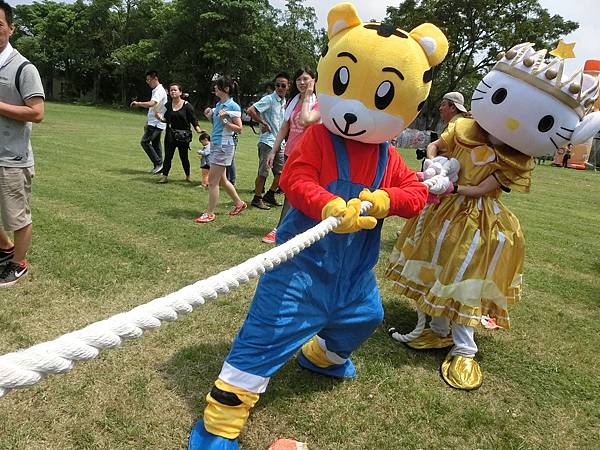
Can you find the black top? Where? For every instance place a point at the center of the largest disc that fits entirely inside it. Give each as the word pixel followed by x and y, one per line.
pixel 182 118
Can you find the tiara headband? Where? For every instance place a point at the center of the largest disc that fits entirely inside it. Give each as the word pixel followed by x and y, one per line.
pixel 578 91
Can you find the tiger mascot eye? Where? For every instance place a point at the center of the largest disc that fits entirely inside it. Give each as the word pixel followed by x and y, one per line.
pixel 324 303
pixel 373 79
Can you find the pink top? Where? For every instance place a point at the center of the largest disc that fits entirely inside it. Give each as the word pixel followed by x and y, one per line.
pixel 296 129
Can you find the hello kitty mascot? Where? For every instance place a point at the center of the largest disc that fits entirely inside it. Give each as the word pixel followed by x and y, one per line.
pixel 463 259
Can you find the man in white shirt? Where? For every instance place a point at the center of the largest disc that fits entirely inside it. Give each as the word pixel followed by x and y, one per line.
pixel 152 131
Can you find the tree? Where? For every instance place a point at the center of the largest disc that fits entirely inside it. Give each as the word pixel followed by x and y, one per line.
pixel 477 30
pixel 142 24
pixel 298 38
pixel 231 37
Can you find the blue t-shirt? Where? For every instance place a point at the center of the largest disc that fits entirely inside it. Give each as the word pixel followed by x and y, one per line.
pixel 272 109
pixel 221 135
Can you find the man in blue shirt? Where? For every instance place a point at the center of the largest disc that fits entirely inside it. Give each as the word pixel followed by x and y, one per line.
pixel 269 113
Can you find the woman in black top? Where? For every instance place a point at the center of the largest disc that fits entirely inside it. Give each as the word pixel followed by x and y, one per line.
pixel 179 116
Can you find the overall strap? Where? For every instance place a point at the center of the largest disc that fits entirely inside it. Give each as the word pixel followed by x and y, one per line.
pixel 381 164
pixel 341 157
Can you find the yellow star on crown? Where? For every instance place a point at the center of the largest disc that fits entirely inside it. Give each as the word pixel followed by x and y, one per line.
pixel 564 50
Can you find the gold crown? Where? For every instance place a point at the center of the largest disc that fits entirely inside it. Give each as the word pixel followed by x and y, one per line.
pixel 578 91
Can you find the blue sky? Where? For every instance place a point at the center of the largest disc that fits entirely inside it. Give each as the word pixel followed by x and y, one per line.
pixel 585 12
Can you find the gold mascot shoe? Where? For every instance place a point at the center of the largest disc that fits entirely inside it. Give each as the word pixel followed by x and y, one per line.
pixel 428 340
pixel 461 372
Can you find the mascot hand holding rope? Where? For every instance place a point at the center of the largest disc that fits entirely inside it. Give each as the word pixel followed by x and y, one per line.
pixel 462 259
pixel 373 80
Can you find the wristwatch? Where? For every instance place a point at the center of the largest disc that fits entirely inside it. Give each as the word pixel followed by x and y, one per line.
pixel 225 120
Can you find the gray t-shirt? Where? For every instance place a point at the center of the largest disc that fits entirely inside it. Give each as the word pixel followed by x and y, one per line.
pixel 15 146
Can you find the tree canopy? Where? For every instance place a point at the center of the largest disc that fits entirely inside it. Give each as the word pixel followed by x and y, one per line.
pixel 104 47
pixel 477 30
pixel 101 49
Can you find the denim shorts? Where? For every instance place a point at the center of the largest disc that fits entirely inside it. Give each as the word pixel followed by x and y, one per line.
pixel 221 155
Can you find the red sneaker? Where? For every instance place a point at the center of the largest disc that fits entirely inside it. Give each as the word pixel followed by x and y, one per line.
pixel 270 237
pixel 205 218
pixel 238 209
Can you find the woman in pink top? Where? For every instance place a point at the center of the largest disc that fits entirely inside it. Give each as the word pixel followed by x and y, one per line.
pixel 301 111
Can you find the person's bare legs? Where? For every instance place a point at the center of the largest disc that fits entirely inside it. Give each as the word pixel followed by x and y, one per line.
pixel 215 173
pixel 259 185
pixel 22 243
pixel 5 242
pixel 275 183
pixel 230 189
pixel 216 178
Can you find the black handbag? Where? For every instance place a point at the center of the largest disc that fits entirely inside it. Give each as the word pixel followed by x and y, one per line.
pixel 184 136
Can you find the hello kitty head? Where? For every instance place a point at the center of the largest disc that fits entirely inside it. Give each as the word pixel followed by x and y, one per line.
pixel 528 103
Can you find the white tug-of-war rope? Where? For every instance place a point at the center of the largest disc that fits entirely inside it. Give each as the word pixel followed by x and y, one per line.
pixel 27 367
pixel 440 171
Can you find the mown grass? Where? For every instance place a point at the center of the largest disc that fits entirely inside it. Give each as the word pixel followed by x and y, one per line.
pixel 107 238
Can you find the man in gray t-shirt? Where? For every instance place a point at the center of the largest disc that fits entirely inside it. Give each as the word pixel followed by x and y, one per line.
pixel 21 103
pixel 151 138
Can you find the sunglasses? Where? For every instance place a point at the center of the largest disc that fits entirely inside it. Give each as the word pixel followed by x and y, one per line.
pixel 281 85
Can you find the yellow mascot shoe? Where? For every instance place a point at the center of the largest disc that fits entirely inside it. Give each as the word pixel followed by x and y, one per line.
pixel 428 340
pixel 461 372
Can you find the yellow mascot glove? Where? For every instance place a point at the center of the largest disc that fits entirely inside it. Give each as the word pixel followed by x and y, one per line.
pixel 380 201
pixel 350 212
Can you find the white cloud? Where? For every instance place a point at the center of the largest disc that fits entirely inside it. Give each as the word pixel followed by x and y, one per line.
pixel 585 12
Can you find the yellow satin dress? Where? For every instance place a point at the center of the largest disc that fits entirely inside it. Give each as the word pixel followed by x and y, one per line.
pixel 463 258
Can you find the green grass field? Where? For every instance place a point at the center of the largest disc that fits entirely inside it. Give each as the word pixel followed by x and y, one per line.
pixel 108 238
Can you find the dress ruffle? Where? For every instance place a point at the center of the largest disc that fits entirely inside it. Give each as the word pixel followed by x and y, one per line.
pixel 463 258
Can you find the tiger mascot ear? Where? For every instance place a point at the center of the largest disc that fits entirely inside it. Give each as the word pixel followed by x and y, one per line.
pixel 433 42
pixel 341 17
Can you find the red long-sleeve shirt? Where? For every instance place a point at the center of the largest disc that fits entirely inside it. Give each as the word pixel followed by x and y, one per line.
pixel 312 166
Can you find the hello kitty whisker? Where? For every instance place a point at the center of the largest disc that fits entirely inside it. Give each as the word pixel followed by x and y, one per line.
pixel 479 90
pixel 476 98
pixel 565 138
pixel 486 84
pixel 552 140
pixel 566 129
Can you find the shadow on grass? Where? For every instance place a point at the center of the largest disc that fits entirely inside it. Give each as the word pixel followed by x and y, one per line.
pixel 180 213
pixel 244 231
pixel 129 171
pixel 404 318
pixel 192 371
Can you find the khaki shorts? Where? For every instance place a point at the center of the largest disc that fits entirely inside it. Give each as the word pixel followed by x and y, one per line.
pixel 263 155
pixel 15 197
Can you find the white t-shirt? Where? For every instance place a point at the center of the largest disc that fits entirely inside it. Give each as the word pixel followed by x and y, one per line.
pixel 159 95
pixel 5 53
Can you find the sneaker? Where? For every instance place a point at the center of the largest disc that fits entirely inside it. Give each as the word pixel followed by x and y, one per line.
pixel 270 237
pixel 269 198
pixel 238 209
pixel 163 179
pixel 257 202
pixel 12 273
pixel 205 218
pixel 157 169
pixel 7 254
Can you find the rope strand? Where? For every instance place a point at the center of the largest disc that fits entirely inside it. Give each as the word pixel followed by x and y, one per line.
pixel 27 367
